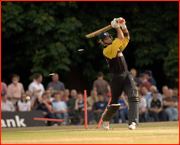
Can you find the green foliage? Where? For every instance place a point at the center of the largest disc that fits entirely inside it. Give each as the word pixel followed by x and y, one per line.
pixel 46 35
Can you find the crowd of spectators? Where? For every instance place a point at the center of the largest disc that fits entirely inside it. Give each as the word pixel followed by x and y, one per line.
pixel 58 102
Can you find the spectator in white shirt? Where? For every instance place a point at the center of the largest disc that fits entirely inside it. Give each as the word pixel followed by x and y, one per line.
pixel 23 104
pixel 145 93
pixel 6 105
pixel 36 86
pixel 60 108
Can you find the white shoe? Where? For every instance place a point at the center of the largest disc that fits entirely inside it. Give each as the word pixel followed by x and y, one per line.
pixel 132 126
pixel 105 125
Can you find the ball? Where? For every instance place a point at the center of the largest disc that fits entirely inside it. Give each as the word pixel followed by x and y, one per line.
pixel 28 98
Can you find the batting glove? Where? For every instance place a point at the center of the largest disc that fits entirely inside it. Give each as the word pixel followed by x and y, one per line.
pixel 121 23
pixel 114 23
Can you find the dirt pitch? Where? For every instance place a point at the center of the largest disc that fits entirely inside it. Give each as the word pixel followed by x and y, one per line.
pixel 146 133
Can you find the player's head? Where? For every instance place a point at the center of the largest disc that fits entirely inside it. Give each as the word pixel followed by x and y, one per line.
pixel 105 38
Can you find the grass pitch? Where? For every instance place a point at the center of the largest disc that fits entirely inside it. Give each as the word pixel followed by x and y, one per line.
pixel 146 133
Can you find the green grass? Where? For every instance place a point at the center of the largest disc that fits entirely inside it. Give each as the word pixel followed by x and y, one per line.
pixel 161 132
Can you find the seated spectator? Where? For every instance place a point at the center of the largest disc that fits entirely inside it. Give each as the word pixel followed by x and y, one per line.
pixel 145 93
pixel 61 93
pixel 56 85
pixel 49 98
pixel 71 103
pixel 176 94
pixel 164 91
pixel 123 110
pixel 170 106
pixel 155 107
pixel 142 109
pixel 9 98
pixel 134 73
pixel 79 105
pixel 36 87
pixel 3 87
pixel 66 95
pixel 6 105
pixel 60 108
pixel 149 77
pixel 144 82
pixel 99 107
pixel 93 98
pixel 152 88
pixel 46 108
pixel 35 101
pixel 23 104
pixel 15 89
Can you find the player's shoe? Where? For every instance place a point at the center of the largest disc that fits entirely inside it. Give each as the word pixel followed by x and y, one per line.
pixel 132 126
pixel 105 125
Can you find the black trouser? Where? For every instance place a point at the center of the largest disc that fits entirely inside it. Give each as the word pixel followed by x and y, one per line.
pixel 120 82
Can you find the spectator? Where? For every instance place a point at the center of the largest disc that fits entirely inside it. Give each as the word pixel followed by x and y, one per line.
pixel 71 102
pixel 46 108
pixel 152 88
pixel 149 77
pixel 99 107
pixel 15 89
pixel 61 93
pixel 164 91
pixel 123 111
pixel 145 93
pixel 3 87
pixel 79 105
pixel 170 106
pixel 6 105
pixel 155 107
pixel 93 98
pixel 35 101
pixel 176 94
pixel 60 108
pixel 66 95
pixel 56 85
pixel 101 86
pixel 134 73
pixel 142 109
pixel 36 86
pixel 49 98
pixel 23 104
pixel 144 82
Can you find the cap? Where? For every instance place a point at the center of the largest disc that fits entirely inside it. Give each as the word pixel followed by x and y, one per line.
pixel 149 72
pixel 104 35
pixel 141 75
pixel 108 94
pixel 155 91
pixel 3 93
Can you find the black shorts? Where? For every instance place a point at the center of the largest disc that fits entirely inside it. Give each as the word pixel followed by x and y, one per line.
pixel 120 82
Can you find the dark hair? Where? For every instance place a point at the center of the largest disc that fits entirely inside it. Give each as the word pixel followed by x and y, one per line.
pixel 100 94
pixel 37 76
pixel 100 74
pixel 44 94
pixel 57 93
pixel 15 76
pixel 79 93
pixel 21 97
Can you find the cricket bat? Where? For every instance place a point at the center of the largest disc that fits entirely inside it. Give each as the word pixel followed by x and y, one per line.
pixel 101 30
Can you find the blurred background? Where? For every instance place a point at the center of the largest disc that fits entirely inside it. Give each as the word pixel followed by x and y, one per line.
pixel 43 37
